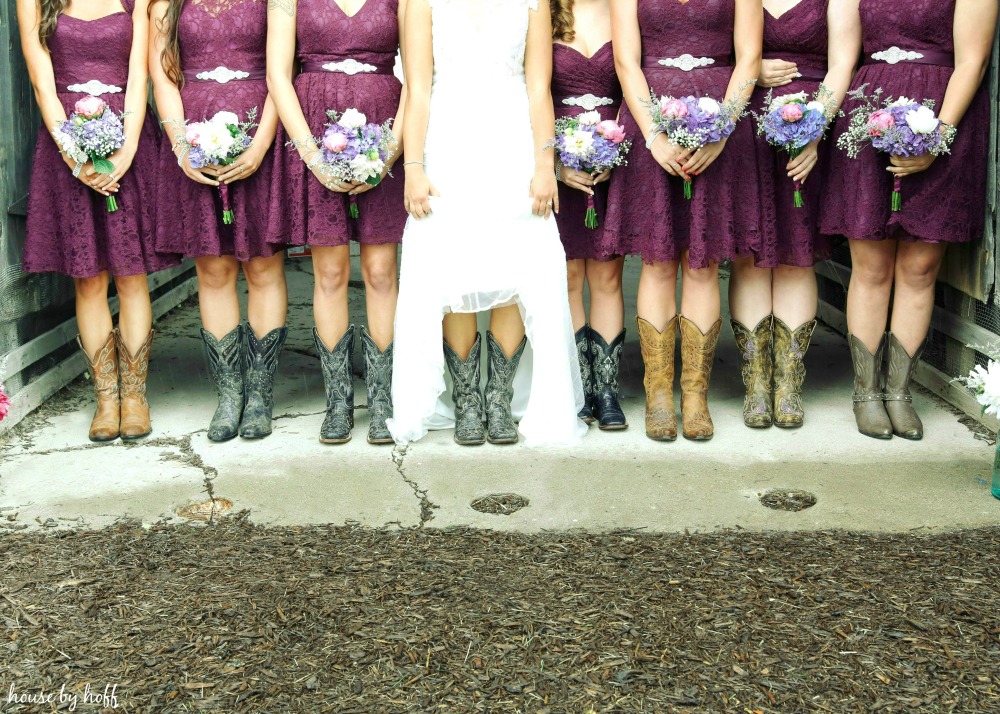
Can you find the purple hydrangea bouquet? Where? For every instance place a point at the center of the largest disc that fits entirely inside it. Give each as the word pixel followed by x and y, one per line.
pixel 790 123
pixel 92 133
pixel 354 150
pixel 586 143
pixel 219 141
pixel 692 122
pixel 901 127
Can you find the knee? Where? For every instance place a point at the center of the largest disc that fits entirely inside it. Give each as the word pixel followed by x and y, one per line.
pixel 217 275
pixel 575 274
pixel 262 273
pixel 701 277
pixel 664 274
pixel 872 273
pixel 95 288
pixel 918 271
pixel 332 279
pixel 379 273
pixel 605 278
pixel 132 286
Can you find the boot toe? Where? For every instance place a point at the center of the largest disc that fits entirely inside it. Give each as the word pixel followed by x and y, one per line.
pixel 758 421
pixel 220 435
pixel 103 436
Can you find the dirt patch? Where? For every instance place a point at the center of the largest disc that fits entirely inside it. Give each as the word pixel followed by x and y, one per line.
pixel 783 499
pixel 501 504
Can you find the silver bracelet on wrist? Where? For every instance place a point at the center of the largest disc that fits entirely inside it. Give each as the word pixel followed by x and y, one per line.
pixel 180 156
pixel 77 169
pixel 559 171
pixel 652 137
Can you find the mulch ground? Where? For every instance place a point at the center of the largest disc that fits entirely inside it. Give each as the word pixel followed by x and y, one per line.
pixel 232 617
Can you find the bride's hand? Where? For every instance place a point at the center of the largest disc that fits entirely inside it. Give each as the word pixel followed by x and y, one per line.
pixel 544 194
pixel 417 191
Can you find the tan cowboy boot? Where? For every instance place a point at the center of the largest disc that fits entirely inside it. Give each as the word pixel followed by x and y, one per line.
pixel 134 370
pixel 790 372
pixel 898 402
pixel 104 370
pixel 697 358
pixel 757 359
pixel 658 359
pixel 869 396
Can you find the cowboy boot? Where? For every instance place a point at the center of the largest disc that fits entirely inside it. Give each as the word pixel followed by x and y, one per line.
pixel 339 383
pixel 790 348
pixel 697 358
pixel 466 395
pixel 225 364
pixel 133 371
pixel 606 363
pixel 378 381
pixel 869 399
pixel 586 374
pixel 261 364
pixel 898 402
pixel 757 359
pixel 658 360
pixel 106 423
pixel 501 428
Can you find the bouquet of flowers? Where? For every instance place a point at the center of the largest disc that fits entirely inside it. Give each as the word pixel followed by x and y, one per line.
pixel 692 122
pixel 219 141
pixel 790 124
pixel 355 151
pixel 586 143
pixel 984 383
pixel 900 127
pixel 4 404
pixel 92 133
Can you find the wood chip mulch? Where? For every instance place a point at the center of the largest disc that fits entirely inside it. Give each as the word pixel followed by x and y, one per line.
pixel 233 617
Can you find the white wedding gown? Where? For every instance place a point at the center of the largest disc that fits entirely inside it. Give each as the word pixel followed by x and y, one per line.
pixel 481 247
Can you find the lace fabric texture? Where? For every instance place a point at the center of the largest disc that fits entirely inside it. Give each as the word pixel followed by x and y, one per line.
pixel 470 254
pixel 647 211
pixel 231 34
pixel 69 229
pixel 943 204
pixel 303 210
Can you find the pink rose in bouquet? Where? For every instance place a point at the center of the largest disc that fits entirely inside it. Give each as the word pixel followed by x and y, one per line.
pixel 335 142
pixel 4 404
pixel 611 131
pixel 880 122
pixel 791 112
pixel 90 107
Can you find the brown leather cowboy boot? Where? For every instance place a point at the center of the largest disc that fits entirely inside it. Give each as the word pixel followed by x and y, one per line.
pixel 869 395
pixel 134 370
pixel 658 359
pixel 104 370
pixel 790 348
pixel 697 358
pixel 757 359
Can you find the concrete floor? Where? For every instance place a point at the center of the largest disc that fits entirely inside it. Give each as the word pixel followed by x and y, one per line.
pixel 51 476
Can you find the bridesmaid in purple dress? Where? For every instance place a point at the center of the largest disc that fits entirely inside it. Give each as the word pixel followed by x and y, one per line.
pixel 74 50
pixel 708 48
pixel 584 79
pixel 929 49
pixel 209 56
pixel 345 50
pixel 806 43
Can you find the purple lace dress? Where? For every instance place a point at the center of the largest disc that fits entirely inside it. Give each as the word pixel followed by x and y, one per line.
pixel 230 34
pixel 799 35
pixel 945 203
pixel 574 77
pixel 70 230
pixel 346 62
pixel 647 211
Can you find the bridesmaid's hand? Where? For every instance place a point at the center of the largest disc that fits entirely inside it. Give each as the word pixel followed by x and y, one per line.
pixel 902 166
pixel 777 73
pixel 544 193
pixel 603 176
pixel 802 165
pixel 192 173
pixel 84 176
pixel 366 187
pixel 244 167
pixel 670 156
pixel 108 183
pixel 417 191
pixel 703 157
pixel 580 180
pixel 332 182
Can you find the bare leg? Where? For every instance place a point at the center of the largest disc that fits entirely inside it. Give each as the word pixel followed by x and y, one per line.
pixel 507 328
pixel 378 267
pixel 794 295
pixel 93 316
pixel 873 265
pixel 460 332
pixel 607 306
pixel 268 299
pixel 332 268
pixel 749 292
pixel 217 298
pixel 657 296
pixel 917 267
pixel 700 299
pixel 576 272
pixel 135 319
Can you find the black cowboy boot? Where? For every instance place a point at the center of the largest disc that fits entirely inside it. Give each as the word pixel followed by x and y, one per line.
pixel 226 365
pixel 501 428
pixel 466 395
pixel 261 364
pixel 339 383
pixel 586 374
pixel 378 380
pixel 606 362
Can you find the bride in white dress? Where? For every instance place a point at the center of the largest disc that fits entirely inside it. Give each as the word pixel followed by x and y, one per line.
pixel 480 188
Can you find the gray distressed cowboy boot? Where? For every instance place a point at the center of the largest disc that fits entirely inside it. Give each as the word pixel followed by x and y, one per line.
pixel 606 363
pixel 378 380
pixel 757 360
pixel 898 402
pixel 501 428
pixel 465 393
pixel 869 399
pixel 261 364
pixel 586 374
pixel 339 383
pixel 226 365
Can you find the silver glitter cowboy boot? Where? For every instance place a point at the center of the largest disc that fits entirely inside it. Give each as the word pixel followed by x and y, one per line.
pixel 501 428
pixel 339 383
pixel 378 381
pixel 226 365
pixel 262 362
pixel 465 393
